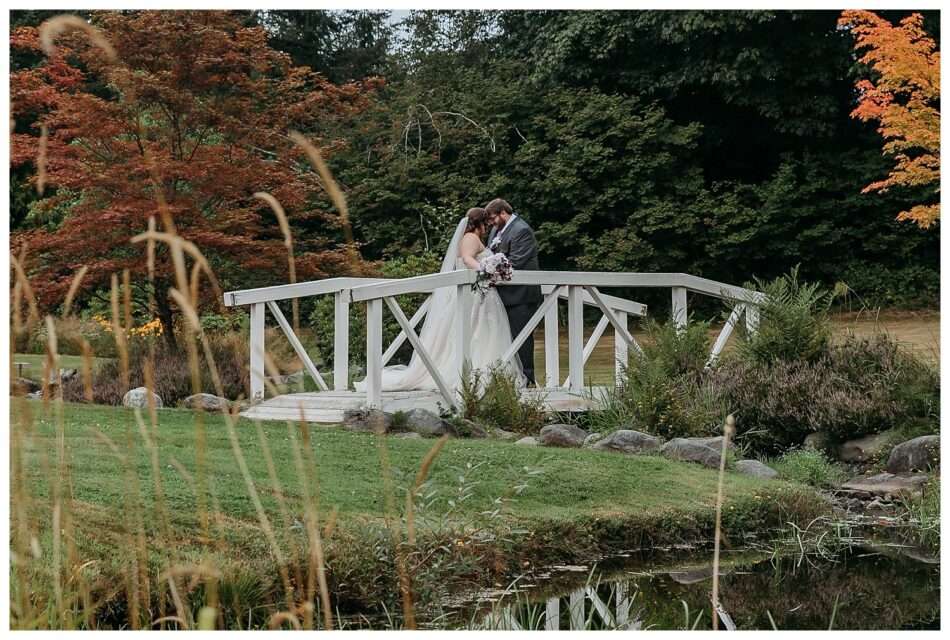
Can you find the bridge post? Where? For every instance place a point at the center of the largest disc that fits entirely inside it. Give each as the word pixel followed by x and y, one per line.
pixel 575 338
pixel 751 318
pixel 552 364
pixel 374 353
pixel 463 328
pixel 257 351
pixel 679 307
pixel 621 354
pixel 341 340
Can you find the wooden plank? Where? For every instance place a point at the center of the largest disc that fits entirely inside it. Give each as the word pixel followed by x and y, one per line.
pixel 576 604
pixel 418 284
pixel 618 328
pixel 341 340
pixel 719 289
pixel 575 339
pixel 533 322
pixel 724 334
pixel 552 352
pixel 420 350
pixel 679 314
pixel 620 304
pixel 416 317
pixel 752 318
pixel 298 347
pixel 592 341
pixel 374 353
pixel 257 351
pixel 601 608
pixel 297 290
pixel 597 279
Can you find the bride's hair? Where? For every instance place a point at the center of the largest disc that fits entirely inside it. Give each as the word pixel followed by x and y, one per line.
pixel 477 219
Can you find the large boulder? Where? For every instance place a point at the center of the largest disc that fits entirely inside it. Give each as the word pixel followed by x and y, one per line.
pixel 427 423
pixel 562 435
pixel 368 420
pixel 527 441
pixel 206 402
pixel 865 449
pixel 888 484
pixel 470 429
pixel 713 442
pixel 138 397
pixel 756 469
pixel 687 450
pixel 629 441
pixel 915 455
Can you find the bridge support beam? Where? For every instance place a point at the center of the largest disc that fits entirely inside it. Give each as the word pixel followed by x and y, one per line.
pixel 575 338
pixel 257 351
pixel 679 314
pixel 341 340
pixel 374 353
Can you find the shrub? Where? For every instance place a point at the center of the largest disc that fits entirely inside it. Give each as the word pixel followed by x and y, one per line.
pixel 793 322
pixel 661 391
pixel 173 380
pixel 809 467
pixel 494 399
pixel 321 318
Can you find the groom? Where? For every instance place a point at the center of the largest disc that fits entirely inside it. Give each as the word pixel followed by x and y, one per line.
pixel 512 236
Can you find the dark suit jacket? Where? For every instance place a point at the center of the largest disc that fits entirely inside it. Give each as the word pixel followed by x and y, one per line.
pixel 521 248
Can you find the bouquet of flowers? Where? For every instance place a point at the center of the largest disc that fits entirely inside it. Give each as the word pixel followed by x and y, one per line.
pixel 492 270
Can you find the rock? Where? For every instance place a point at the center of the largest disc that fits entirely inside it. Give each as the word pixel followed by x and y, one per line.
pixel 408 435
pixel 470 429
pixel 528 441
pixel 888 484
pixel 713 442
pixel 64 375
pixel 501 434
pixel 817 441
pixel 592 439
pixel 138 397
pixel 368 420
pixel 206 402
pixel 24 386
pixel 426 423
pixel 755 468
pixel 562 435
pixel 36 395
pixel 689 451
pixel 866 448
pixel 629 441
pixel 918 454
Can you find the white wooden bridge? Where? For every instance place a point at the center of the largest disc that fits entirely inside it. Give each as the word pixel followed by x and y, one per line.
pixel 576 288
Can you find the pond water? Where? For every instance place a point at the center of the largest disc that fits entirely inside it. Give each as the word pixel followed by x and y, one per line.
pixel 861 587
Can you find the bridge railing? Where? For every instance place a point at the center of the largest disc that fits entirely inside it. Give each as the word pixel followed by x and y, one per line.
pixel 577 288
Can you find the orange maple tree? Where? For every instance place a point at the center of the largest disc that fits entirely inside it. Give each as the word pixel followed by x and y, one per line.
pixel 198 107
pixel 904 98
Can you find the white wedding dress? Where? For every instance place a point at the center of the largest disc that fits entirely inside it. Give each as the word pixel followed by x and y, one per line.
pixel 491 335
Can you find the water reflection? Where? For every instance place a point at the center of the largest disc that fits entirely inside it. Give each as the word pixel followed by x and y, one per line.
pixel 863 588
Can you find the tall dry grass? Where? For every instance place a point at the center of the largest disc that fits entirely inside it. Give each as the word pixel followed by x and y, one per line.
pixel 65 598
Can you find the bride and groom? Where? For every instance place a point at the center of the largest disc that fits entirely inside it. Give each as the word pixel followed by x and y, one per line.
pixel 498 314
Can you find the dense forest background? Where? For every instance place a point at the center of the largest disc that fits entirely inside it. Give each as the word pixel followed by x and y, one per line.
pixel 717 143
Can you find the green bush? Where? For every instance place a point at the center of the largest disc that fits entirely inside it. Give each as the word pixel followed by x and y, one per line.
pixel 661 392
pixel 809 467
pixel 493 398
pixel 793 322
pixel 321 318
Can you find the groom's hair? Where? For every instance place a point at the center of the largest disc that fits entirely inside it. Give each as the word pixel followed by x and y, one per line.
pixel 498 205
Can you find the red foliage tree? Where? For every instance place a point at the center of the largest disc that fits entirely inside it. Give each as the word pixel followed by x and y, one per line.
pixel 197 107
pixel 904 98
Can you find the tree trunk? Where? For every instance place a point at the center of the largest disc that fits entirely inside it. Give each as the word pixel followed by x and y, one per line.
pixel 167 319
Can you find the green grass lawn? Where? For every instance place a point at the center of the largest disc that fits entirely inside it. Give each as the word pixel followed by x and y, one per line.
pixel 542 504
pixel 33 367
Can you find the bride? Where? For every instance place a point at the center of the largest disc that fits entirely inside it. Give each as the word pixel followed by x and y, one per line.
pixel 491 335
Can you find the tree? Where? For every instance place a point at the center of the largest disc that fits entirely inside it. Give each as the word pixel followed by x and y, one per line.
pixel 196 112
pixel 904 98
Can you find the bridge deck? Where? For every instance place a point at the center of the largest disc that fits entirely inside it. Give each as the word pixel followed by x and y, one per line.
pixel 328 406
